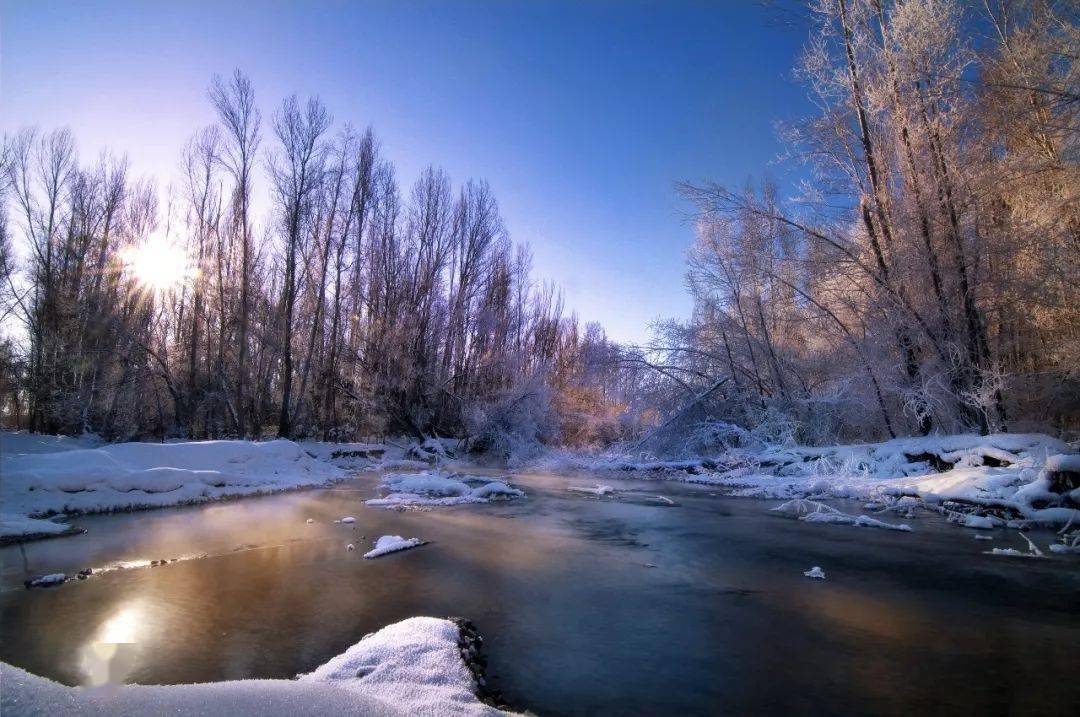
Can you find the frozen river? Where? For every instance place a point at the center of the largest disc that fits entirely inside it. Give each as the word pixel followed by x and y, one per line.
pixel 618 605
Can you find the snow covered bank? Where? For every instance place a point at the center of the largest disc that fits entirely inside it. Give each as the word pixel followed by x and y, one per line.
pixel 434 488
pixel 1029 477
pixel 72 480
pixel 413 667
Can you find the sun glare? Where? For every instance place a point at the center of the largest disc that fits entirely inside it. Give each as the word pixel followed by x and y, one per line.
pixel 159 264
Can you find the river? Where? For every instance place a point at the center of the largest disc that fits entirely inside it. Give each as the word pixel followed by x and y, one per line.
pixel 693 603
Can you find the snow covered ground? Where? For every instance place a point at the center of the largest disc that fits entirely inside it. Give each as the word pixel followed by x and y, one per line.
pixel 413 667
pixel 435 488
pixel 46 476
pixel 991 479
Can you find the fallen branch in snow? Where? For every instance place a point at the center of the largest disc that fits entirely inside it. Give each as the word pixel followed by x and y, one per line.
pixel 598 490
pixel 811 511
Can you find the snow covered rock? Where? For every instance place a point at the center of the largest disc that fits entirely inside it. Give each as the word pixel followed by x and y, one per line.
pixel 46 580
pixel 413 667
pixel 1063 475
pixel 979 522
pixel 440 489
pixel 392 544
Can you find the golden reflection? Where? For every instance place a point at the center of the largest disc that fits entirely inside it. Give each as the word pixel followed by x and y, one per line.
pixel 110 655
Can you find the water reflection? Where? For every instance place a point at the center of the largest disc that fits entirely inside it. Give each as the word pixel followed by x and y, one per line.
pixel 112 654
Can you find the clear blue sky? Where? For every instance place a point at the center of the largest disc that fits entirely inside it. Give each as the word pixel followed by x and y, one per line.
pixel 581 115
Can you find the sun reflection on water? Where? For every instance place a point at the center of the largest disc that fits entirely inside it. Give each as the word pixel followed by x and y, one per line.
pixel 110 655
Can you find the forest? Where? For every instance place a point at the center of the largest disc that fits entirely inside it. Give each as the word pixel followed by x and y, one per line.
pixel 286 282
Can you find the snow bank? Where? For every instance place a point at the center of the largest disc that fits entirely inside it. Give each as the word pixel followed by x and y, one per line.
pixel 127 476
pixel 1028 476
pixel 413 667
pixel 392 544
pixel 14 525
pixel 435 488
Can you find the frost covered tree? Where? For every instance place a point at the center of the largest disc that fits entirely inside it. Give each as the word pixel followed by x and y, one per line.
pixel 924 279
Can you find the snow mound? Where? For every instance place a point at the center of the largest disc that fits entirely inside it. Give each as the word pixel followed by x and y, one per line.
pixel 392 544
pixel 128 476
pixel 413 667
pixel 438 489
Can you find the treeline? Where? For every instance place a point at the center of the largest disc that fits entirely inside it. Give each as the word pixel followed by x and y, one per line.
pixel 352 309
pixel 925 277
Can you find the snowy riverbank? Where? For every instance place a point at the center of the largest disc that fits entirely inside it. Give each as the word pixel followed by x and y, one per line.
pixel 48 476
pixel 413 667
pixel 1026 477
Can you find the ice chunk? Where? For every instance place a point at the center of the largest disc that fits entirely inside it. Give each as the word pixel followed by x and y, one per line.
pixel 815 572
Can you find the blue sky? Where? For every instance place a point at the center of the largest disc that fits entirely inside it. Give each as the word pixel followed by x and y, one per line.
pixel 581 115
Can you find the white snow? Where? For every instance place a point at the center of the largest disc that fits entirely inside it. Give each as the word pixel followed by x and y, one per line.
pixel 815 572
pixel 45 475
pixel 1000 471
pixel 347 520
pixel 392 544
pixel 436 488
pixel 413 667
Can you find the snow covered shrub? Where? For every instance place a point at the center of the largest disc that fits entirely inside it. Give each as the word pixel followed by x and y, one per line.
pixel 710 438
pixel 515 426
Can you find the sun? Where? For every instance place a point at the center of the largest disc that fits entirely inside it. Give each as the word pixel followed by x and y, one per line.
pixel 159 264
